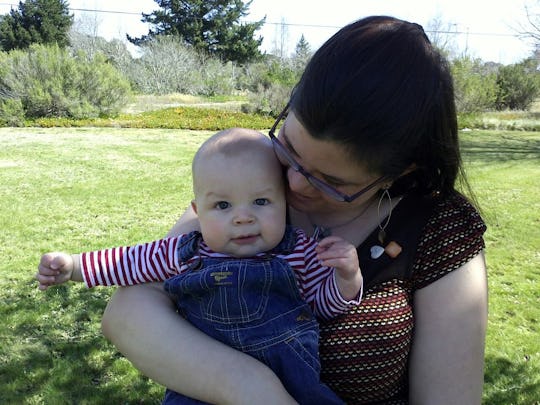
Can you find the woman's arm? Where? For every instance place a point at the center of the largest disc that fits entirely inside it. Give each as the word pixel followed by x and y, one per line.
pixel 186 223
pixel 447 358
pixel 141 321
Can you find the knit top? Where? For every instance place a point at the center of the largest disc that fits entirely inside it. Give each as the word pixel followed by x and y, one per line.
pixel 364 353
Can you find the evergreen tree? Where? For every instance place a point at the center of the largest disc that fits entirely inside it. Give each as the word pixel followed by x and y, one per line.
pixel 36 21
pixel 302 54
pixel 209 26
pixel 303 49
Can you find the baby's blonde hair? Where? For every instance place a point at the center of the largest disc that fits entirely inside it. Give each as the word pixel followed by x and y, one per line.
pixel 236 142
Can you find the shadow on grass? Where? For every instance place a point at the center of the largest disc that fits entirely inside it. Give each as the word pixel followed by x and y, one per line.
pixel 500 148
pixel 59 355
pixel 509 382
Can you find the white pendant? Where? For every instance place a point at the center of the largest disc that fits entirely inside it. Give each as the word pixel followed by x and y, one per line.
pixel 376 251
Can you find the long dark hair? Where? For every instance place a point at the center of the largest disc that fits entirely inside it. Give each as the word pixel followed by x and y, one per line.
pixel 380 88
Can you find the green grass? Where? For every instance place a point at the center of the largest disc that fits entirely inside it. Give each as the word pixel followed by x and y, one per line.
pixel 86 188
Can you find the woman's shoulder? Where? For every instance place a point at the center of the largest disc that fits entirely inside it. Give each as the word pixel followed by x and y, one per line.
pixel 452 236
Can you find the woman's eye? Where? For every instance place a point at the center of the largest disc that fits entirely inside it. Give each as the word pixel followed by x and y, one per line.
pixel 261 201
pixel 222 205
pixel 334 183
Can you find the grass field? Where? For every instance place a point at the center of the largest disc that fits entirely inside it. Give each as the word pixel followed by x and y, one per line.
pixel 86 188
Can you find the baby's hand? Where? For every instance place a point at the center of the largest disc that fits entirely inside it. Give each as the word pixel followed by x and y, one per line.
pixel 336 252
pixel 54 268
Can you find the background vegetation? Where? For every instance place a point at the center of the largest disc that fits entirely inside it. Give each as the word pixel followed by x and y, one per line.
pixel 56 71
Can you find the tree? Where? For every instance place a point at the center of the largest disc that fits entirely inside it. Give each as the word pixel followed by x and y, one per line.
pixel 209 26
pixel 518 85
pixel 531 28
pixel 475 85
pixel 36 21
pixel 442 35
pixel 302 51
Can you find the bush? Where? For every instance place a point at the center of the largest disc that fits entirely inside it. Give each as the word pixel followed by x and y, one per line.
pixel 475 85
pixel 167 65
pixel 271 72
pixel 518 85
pixel 11 112
pixel 268 101
pixel 216 78
pixel 49 82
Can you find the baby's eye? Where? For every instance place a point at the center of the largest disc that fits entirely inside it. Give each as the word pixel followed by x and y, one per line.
pixel 222 205
pixel 262 201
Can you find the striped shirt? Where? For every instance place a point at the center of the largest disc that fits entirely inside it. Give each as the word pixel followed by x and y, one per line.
pixel 159 261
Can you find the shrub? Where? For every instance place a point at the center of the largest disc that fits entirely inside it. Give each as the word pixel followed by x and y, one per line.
pixel 11 112
pixel 475 85
pixel 268 101
pixel 167 65
pixel 518 85
pixel 49 82
pixel 216 78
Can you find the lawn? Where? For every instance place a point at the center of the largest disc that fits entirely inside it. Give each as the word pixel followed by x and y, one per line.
pixel 86 188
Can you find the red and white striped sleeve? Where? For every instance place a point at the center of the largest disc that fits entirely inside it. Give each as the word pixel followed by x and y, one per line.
pixel 316 282
pixel 129 265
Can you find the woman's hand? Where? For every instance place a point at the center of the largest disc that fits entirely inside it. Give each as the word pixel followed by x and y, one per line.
pixel 142 323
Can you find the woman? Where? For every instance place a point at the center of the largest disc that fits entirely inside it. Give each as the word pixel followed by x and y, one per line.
pixel 370 151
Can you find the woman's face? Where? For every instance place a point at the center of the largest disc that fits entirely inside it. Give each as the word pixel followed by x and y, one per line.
pixel 329 162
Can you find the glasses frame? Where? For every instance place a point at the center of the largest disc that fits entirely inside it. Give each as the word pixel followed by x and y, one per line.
pixel 282 150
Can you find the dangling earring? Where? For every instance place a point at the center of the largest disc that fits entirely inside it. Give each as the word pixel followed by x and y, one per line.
pixel 382 227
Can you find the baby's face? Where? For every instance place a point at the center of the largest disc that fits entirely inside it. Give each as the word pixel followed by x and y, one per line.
pixel 240 202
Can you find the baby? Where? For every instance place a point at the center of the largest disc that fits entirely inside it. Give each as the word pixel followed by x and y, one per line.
pixel 247 278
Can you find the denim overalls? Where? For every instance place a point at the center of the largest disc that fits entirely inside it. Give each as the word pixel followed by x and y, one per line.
pixel 253 305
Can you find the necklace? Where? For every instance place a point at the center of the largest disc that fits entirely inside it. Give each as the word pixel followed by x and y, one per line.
pixel 321 232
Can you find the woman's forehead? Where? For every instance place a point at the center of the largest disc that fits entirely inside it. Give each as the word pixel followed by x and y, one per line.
pixel 330 158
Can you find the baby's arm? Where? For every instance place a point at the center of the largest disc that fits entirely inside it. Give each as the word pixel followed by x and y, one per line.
pixel 121 266
pixel 57 268
pixel 336 252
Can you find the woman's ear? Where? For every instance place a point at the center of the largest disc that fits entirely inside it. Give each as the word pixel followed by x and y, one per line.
pixel 412 167
pixel 194 206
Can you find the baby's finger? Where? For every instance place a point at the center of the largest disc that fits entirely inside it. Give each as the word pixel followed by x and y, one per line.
pixel 47 271
pixel 45 280
pixel 43 287
pixel 329 240
pixel 59 261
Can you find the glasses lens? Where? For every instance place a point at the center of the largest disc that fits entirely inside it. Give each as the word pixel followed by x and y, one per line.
pixel 284 155
pixel 325 188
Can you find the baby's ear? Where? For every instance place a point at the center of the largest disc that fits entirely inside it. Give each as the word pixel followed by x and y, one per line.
pixel 194 206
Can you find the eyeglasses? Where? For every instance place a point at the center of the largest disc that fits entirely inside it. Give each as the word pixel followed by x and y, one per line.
pixel 283 154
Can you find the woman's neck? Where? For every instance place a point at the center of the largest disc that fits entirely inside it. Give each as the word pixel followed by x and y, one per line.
pixel 354 224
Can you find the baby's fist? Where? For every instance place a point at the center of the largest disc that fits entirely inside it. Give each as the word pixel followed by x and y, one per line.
pixel 54 268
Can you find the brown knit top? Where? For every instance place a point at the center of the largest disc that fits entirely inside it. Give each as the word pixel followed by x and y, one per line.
pixel 364 353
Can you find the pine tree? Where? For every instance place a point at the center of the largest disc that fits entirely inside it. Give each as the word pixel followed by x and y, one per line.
pixel 209 26
pixel 302 49
pixel 36 21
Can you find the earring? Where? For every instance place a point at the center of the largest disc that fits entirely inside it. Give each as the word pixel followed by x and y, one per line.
pixel 382 227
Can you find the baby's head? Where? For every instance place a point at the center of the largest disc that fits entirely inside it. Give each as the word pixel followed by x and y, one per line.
pixel 239 193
